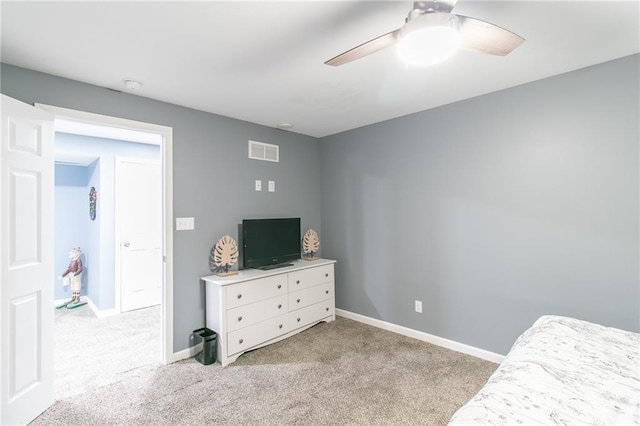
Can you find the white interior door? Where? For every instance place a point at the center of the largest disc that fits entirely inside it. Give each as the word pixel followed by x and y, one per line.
pixel 139 212
pixel 26 262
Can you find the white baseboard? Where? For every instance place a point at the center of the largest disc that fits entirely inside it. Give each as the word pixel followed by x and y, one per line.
pixel 185 353
pixel 425 337
pixel 100 313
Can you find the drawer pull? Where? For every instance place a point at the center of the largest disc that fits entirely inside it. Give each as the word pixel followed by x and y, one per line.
pixel 279 286
pixel 239 318
pixel 298 319
pixel 327 309
pixel 239 296
pixel 326 291
pixel 279 306
pixel 326 275
pixel 297 281
pixel 240 341
pixel 298 301
pixel 280 326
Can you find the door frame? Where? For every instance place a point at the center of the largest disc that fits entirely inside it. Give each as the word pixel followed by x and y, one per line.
pixel 166 154
pixel 118 242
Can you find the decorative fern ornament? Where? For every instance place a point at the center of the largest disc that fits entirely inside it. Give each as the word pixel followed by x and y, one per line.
pixel 310 244
pixel 224 254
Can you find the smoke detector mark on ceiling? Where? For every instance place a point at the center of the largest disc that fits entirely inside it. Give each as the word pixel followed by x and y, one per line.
pixel 132 85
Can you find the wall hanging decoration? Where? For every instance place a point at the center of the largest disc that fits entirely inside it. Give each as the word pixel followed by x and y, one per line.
pixel 310 244
pixel 224 254
pixel 93 198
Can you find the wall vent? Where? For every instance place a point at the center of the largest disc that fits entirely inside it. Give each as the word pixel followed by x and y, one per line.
pixel 264 151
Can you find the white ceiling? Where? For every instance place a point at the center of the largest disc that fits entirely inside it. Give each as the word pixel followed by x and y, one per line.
pixel 263 61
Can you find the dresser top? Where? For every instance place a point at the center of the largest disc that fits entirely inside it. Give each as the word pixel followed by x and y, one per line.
pixel 252 274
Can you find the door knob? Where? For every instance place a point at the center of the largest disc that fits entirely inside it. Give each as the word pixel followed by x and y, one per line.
pixel 127 244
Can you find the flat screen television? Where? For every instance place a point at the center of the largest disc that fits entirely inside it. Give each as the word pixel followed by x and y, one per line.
pixel 269 243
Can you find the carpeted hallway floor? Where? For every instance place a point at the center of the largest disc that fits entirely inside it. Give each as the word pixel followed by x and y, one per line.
pixel 91 352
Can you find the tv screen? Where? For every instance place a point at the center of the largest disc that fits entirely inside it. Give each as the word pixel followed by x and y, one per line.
pixel 270 242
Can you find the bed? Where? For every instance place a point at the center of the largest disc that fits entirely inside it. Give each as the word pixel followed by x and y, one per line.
pixel 562 371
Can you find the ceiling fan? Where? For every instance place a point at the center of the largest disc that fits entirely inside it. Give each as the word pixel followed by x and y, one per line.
pixel 432 33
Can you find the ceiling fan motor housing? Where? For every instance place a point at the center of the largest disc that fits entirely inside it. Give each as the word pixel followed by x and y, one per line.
pixel 420 20
pixel 434 6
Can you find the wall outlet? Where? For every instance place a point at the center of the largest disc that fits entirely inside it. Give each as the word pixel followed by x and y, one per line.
pixel 272 186
pixel 258 185
pixel 419 306
pixel 185 223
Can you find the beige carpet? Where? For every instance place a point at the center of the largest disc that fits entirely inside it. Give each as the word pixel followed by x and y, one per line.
pixel 341 373
pixel 92 352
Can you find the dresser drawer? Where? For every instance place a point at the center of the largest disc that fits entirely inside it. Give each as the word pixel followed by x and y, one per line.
pixel 310 296
pixel 310 277
pixel 245 338
pixel 311 314
pixel 255 290
pixel 246 315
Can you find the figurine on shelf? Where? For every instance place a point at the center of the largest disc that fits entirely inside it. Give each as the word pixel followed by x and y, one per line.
pixel 74 272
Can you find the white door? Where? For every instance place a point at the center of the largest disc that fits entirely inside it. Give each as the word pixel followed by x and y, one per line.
pixel 139 223
pixel 26 262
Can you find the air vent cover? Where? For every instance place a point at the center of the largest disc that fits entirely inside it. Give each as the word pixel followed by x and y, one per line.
pixel 264 151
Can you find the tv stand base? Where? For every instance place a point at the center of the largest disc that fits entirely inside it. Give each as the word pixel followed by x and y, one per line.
pixel 275 266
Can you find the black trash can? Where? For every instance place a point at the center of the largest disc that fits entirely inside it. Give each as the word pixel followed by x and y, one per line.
pixel 209 347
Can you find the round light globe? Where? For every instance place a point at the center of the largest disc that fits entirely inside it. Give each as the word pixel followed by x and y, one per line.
pixel 428 45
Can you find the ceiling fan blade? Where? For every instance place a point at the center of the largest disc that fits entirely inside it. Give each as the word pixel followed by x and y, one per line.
pixel 365 49
pixel 484 37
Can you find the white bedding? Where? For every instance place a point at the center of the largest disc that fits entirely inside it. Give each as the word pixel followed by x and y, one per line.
pixel 562 371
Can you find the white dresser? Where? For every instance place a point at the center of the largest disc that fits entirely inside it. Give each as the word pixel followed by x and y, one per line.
pixel 256 308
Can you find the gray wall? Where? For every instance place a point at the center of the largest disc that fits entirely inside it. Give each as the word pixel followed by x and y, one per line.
pixel 492 211
pixel 212 176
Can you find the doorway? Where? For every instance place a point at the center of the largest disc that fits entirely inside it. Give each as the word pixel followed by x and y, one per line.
pixel 27 228
pixel 79 122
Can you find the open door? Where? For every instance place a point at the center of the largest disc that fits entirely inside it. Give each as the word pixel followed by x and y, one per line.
pixel 26 262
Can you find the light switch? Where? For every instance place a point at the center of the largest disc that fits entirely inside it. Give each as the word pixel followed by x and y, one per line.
pixel 258 185
pixel 185 223
pixel 272 186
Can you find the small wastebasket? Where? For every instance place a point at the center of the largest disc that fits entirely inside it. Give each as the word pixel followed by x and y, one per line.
pixel 209 347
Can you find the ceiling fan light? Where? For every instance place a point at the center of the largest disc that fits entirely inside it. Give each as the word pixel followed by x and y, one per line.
pixel 429 39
